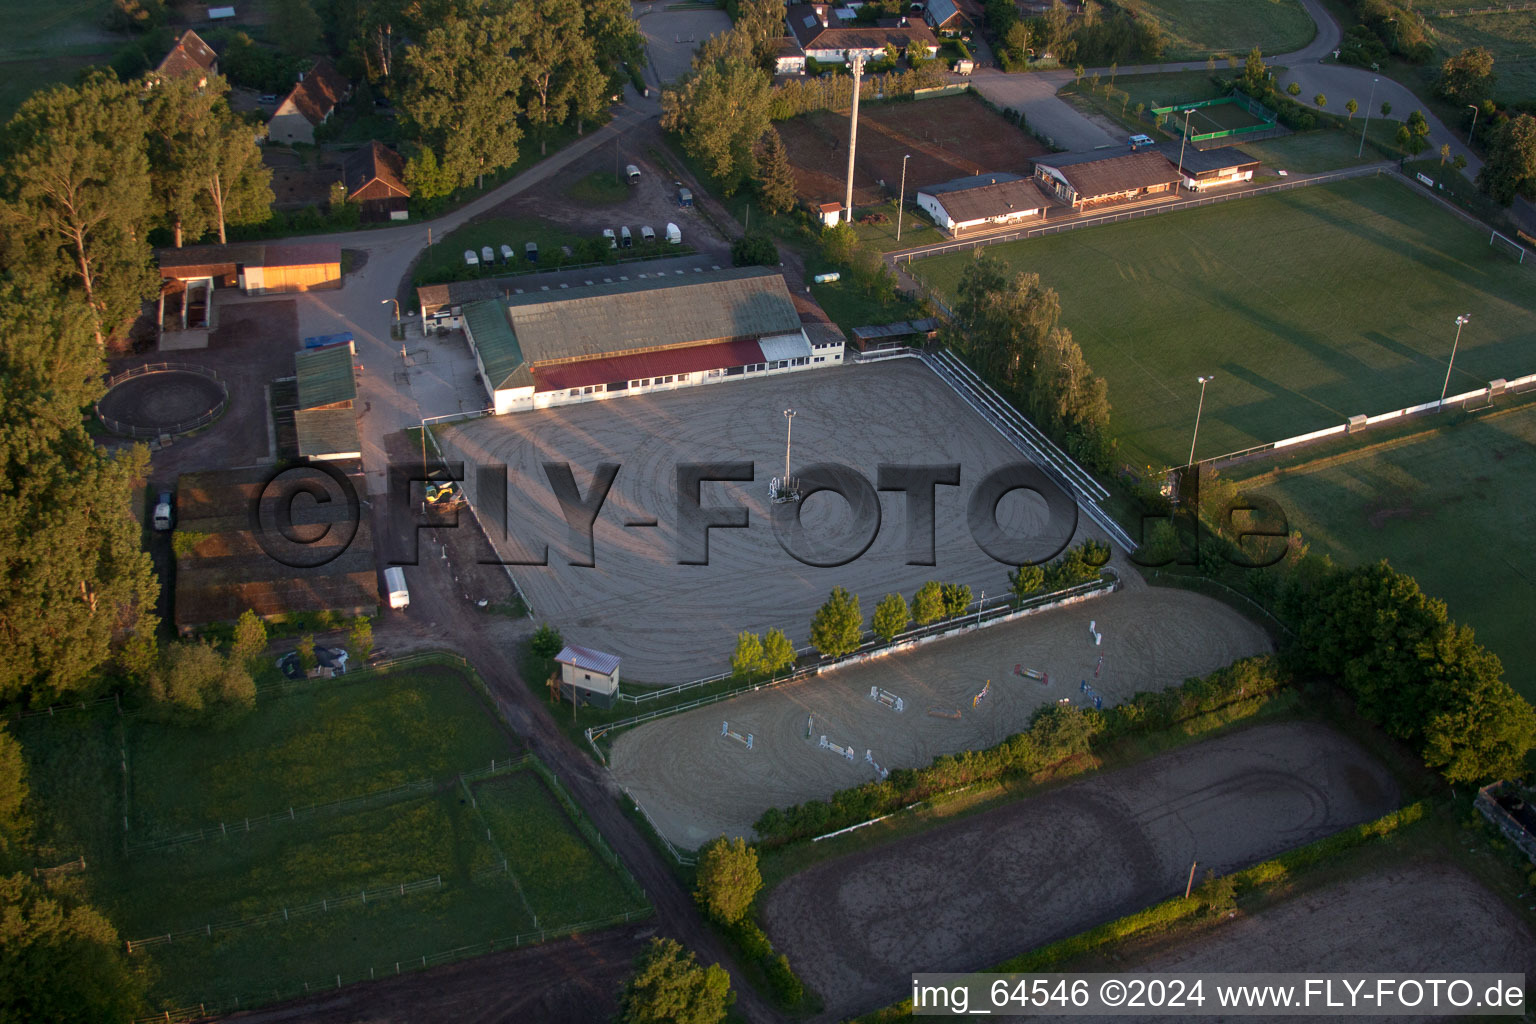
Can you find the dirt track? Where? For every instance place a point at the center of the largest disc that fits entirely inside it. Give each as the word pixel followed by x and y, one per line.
pixel 965 896
pixel 1153 639
pixel 1416 917
pixel 949 137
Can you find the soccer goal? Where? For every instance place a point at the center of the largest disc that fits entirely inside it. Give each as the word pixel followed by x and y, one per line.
pixel 1507 246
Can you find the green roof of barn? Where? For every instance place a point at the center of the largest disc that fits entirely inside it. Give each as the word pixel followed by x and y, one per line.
pixel 325 432
pixel 499 350
pixel 325 376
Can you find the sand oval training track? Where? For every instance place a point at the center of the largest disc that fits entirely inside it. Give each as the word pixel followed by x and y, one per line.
pixel 1152 639
pixel 968 895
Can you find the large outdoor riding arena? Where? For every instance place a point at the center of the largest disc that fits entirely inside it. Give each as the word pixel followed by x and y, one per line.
pixel 1151 639
pixel 671 622
pixel 969 894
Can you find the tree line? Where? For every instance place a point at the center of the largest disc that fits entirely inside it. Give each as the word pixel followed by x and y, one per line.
pixel 1100 33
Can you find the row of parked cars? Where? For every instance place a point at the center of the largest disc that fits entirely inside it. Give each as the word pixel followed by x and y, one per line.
pixel 625 240
pixel 487 255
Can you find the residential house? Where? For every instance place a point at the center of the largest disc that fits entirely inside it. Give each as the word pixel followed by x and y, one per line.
pixel 374 176
pixel 947 19
pixel 189 58
pixel 309 105
pixel 831 37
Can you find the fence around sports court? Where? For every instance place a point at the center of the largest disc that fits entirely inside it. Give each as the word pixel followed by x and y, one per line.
pixel 1266 117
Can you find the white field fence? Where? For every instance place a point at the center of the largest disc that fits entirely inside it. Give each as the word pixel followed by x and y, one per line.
pixel 331 982
pixel 336 808
pixel 286 914
pixel 505 868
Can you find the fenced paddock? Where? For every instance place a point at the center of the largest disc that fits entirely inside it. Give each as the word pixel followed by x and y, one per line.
pixel 162 400
pixel 359 857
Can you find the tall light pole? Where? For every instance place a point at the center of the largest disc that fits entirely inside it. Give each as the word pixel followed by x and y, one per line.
pixel 1198 410
pixel 853 127
pixel 1461 322
pixel 1367 124
pixel 789 433
pixel 901 200
pixel 385 302
pixel 1474 125
pixel 1183 139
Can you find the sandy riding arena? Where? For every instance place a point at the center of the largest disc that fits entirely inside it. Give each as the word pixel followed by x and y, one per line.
pixel 968 895
pixel 672 622
pixel 1151 639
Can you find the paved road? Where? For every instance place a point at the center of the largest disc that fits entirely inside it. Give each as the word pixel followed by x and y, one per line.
pixel 1035 94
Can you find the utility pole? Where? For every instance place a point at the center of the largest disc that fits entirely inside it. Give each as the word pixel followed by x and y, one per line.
pixel 1191 883
pixel 789 434
pixel 1474 125
pixel 901 200
pixel 853 129
pixel 1461 321
pixel 1183 139
pixel 1203 381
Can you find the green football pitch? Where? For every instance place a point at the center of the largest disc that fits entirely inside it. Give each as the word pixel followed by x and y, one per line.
pixel 1308 306
pixel 1448 506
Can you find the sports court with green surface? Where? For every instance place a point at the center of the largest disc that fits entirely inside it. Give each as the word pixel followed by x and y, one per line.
pixel 1198 28
pixel 1449 505
pixel 1308 306
pixel 365 848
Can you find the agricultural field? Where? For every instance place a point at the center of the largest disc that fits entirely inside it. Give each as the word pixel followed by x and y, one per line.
pixel 325 835
pixel 1441 504
pixel 1510 36
pixel 949 137
pixel 1308 306
pixel 1198 28
pixel 45 46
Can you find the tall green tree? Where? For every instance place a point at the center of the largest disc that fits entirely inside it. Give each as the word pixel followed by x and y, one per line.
pixel 670 987
pixel 775 177
pixel 748 656
pixel 552 49
pixel 1511 165
pixel 957 597
pixel 1026 580
pixel 719 111
pixel 61 961
pixel 13 793
pixel 76 589
pixel 728 879
pixel 928 603
pixel 1467 77
pixel 891 617
pixel 838 626
pixel 298 27
pixel 195 684
pixel 460 95
pixel 778 652
pixel 76 177
pixel 250 639
pixel 360 641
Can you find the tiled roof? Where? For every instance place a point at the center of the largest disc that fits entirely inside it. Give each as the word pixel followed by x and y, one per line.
pixel 1123 172
pixel 981 196
pixel 374 162
pixel 592 661
pixel 317 95
pixel 805 25
pixel 190 57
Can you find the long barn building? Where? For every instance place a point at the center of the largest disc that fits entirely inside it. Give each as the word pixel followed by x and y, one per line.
pixel 633 337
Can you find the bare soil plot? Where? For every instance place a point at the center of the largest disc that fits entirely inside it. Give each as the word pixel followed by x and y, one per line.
pixel 949 137
pixel 672 622
pixel 1152 639
pixel 1427 916
pixel 968 895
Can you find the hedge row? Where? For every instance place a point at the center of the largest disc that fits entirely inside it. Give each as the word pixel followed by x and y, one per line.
pixel 1056 734
pixel 835 92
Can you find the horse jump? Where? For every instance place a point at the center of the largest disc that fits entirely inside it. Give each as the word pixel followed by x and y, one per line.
pixel 869 759
pixel 1093 632
pixel 938 712
pixel 1033 673
pixel 727 731
pixel 887 698
pixel 847 751
pixel 976 700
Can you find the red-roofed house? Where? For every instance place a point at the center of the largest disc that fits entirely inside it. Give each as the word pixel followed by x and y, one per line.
pixel 309 105
pixel 190 58
pixel 374 179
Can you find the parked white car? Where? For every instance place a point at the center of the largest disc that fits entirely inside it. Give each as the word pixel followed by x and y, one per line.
pixel 470 259
pixel 506 254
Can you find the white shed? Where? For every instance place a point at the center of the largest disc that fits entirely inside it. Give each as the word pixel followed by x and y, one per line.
pixel 588 676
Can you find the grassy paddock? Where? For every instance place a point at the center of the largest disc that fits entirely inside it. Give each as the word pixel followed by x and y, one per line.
pixel 1309 306
pixel 600 188
pixel 444 261
pixel 309 745
pixel 1510 37
pixel 1441 504
pixel 1197 28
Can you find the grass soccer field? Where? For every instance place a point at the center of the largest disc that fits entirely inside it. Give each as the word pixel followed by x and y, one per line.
pixel 1444 505
pixel 1198 28
pixel 383 859
pixel 1308 306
